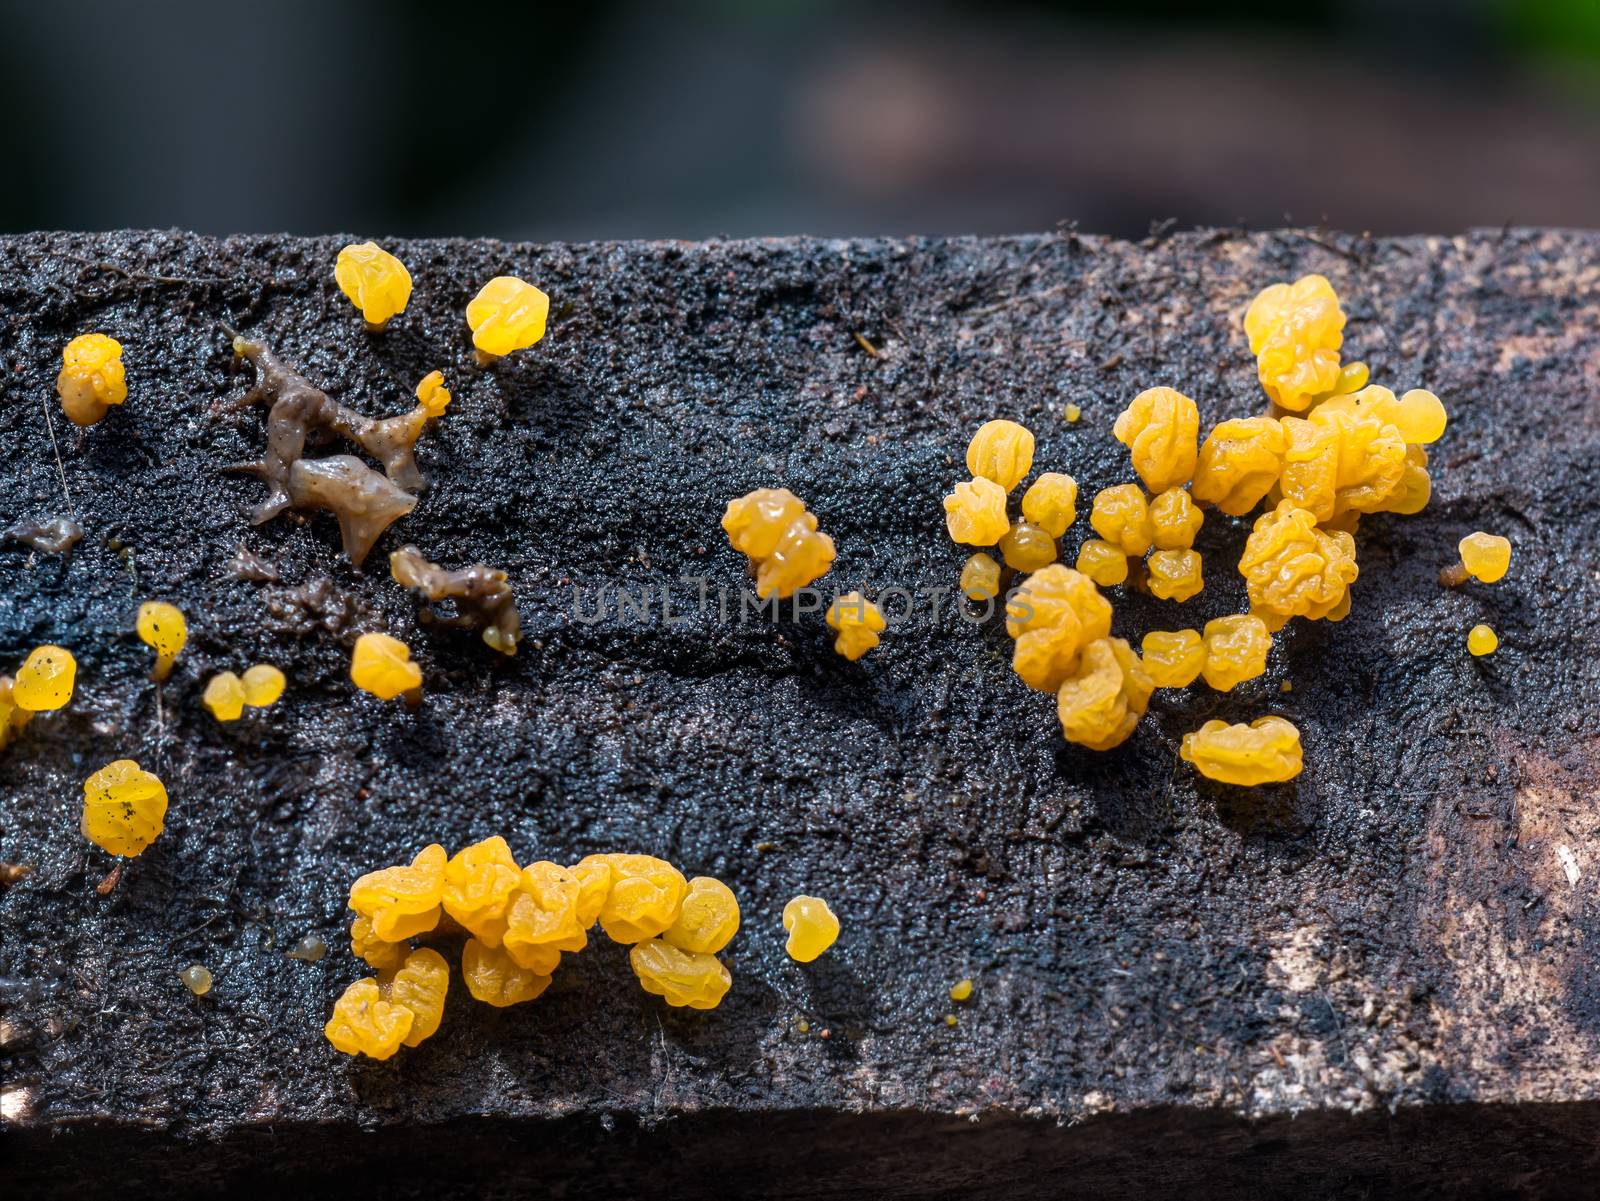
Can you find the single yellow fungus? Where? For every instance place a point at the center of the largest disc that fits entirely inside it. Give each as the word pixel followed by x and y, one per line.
pixel 1051 503
pixel 1055 613
pixel 1236 650
pixel 262 685
pixel 1175 519
pixel 374 281
pixel 1240 462
pixel 478 883
pixel 1160 428
pixel 404 901
pixel 857 622
pixel 382 954
pixel 680 978
pixel 91 379
pixel 709 918
pixel 495 978
pixel 645 899
pixel 975 513
pixel 1295 332
pixel 1173 658
pixel 1073 414
pixel 124 808
pixel 12 715
pixel 1001 451
pixel 224 696
pixel 506 315
pixel 542 920
pixel 44 682
pixel 812 928
pixel 481 595
pixel 1101 703
pixel 1103 562
pixel 420 986
pixel 364 1023
pixel 1484 557
pixel 1481 640
pixel 162 628
pixel 1027 547
pixel 1267 751
pixel 961 990
pixel 980 578
pixel 309 949
pixel 755 522
pixel 382 666
pixel 1174 574
pixel 196 979
pixel 432 395
pixel 1293 568
pixel 772 528
pixel 1121 515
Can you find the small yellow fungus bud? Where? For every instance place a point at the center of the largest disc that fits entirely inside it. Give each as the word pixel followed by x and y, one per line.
pixel 1173 659
pixel 812 928
pixel 374 280
pixel 1073 414
pixel 162 628
pixel 1267 751
pixel 1026 547
pixel 382 954
pixel 1175 520
pixel 1481 640
pixel 1292 568
pixel 951 1019
pixel 1295 332
pixel 402 901
pixel 124 808
pixel 432 395
pixel 1160 428
pixel 262 684
pixel 1239 463
pixel 961 990
pixel 1103 562
pixel 364 1023
pixel 1001 451
pixel 91 378
pixel 12 715
pixel 1236 650
pixel 310 949
pixel 681 978
pixel 382 666
pixel 709 919
pixel 645 899
pixel 1175 574
pixel 980 578
pixel 44 682
pixel 975 513
pixel 1121 515
pixel 478 884
pixel 1484 557
pixel 1052 617
pixel 420 986
pixel 196 979
pixel 224 696
pixel 506 315
pixel 1051 503
pixel 857 622
pixel 495 978
pixel 1101 704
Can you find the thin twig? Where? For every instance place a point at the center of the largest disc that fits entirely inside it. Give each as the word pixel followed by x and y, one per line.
pixel 60 466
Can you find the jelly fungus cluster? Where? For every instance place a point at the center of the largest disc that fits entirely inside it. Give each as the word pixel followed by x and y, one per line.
pixel 519 922
pixel 227 695
pixel 91 378
pixel 773 529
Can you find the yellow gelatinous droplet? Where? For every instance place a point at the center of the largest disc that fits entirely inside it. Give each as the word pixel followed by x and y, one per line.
pixel 1173 658
pixel 91 379
pixel 1121 515
pixel 402 901
pixel 1481 640
pixel 224 696
pixel 432 395
pixel 1267 751
pixel 1103 562
pixel 420 986
pixel 1026 547
pixel 980 578
pixel 162 628
pixel 495 978
pixel 812 928
pixel 506 315
pixel 124 808
pixel 1174 574
pixel 975 513
pixel 382 666
pixel 1175 520
pixel 681 978
pixel 756 521
pixel 364 1023
pixel 1073 414
pixel 1160 428
pixel 961 990
pixel 1001 451
pixel 1055 613
pixel 1051 503
pixel 1485 557
pixel 373 280
pixel 857 622
pixel 44 682
pixel 1101 704
pixel 1236 650
pixel 262 684
pixel 709 918
pixel 196 979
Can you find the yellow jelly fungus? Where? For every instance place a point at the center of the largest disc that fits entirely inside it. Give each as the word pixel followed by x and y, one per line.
pixel 1121 515
pixel 1160 428
pixel 495 978
pixel 124 808
pixel 1239 463
pixel 224 696
pixel 961 990
pixel 772 528
pixel 595 878
pixel 1295 332
pixel 44 681
pixel 542 920
pixel 1484 557
pixel 196 979
pixel 1051 503
pixel 980 578
pixel 1481 640
pixel 1267 751
pixel 857 622
pixel 1236 650
pixel 1294 569
pixel 382 666
pixel 162 628
pixel 382 954
pixel 755 521
pixel 262 684
pixel 1175 519
pixel 1026 547
pixel 1337 461
pixel 1100 705
pixel 364 1023
pixel 645 899
pixel 478 884
pixel 507 315
pixel 1001 451
pixel 1173 658
pixel 1418 416
pixel 709 918
pixel 1174 574
pixel 374 281
pixel 12 715
pixel 975 513
pixel 432 395
pixel 420 986
pixel 1103 562
pixel 402 901
pixel 679 977
pixel 91 378
pixel 812 928
pixel 1055 613
pixel 1073 414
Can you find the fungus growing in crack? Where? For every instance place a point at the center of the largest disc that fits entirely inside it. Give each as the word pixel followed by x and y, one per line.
pixel 480 593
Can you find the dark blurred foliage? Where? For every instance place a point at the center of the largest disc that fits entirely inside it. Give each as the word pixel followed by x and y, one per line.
pixel 776 116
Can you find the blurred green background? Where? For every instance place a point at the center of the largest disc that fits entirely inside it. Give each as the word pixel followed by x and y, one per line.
pixel 635 119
